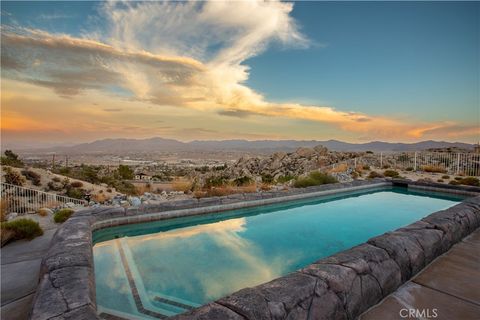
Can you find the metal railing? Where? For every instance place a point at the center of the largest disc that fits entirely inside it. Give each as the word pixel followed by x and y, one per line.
pixel 22 200
pixel 466 164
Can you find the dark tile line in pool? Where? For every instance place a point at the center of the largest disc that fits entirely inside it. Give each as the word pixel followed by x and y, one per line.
pixel 174 303
pixel 339 286
pixel 133 286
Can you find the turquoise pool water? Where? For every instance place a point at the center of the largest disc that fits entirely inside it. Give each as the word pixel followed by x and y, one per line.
pixel 158 269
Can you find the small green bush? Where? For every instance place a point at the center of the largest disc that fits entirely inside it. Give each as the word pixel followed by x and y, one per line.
pixel 386 166
pixel 62 215
pixel 439 180
pixel 314 179
pixel 470 181
pixel 242 181
pixel 458 178
pixel 454 183
pixel 23 228
pixel 267 178
pixel 445 177
pixel 409 169
pixel 366 167
pixel 374 174
pixel 391 173
pixel 285 179
pixel 75 193
pixel 56 179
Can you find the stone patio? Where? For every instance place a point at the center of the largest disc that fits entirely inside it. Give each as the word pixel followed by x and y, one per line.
pixel 20 271
pixel 450 285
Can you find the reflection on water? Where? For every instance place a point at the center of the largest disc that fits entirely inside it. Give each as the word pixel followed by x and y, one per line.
pixel 192 265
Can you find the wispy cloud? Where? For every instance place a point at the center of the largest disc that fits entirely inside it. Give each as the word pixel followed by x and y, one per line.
pixel 55 16
pixel 112 110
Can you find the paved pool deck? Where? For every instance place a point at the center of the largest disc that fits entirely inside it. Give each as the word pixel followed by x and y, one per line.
pixel 450 284
pixel 20 270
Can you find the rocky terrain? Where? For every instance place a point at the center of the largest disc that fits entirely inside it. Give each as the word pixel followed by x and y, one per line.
pixel 282 166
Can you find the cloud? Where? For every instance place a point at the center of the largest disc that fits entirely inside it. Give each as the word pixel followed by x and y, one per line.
pixel 236 113
pixel 450 130
pixel 71 65
pixel 184 54
pixel 112 110
pixel 55 16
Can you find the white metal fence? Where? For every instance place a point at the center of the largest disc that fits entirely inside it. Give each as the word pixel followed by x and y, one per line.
pixel 21 200
pixel 466 164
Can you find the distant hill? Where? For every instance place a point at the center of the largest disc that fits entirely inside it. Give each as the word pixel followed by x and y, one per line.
pixel 154 145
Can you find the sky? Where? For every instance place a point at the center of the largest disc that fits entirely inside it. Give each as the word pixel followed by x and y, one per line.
pixel 353 71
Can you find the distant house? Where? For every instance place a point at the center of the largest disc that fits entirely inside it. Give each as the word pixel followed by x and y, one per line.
pixel 142 176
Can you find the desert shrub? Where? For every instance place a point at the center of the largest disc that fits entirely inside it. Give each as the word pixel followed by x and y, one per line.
pixel 314 179
pixel 434 169
pixel 454 183
pixel 99 197
pixel 439 180
pixel 366 167
pixel 11 159
pixel 265 187
pixel 220 168
pixel 219 191
pixel 56 179
pixel 125 172
pixel 42 212
pixel 285 178
pixel 199 194
pixel 181 185
pixel 76 184
pixel 62 215
pixel 409 169
pixel 374 174
pixel 32 176
pixel 215 182
pixel 470 181
pixel 458 178
pixel 354 175
pixel 340 168
pixel 125 187
pixel 445 177
pixel 54 186
pixel 267 178
pixel 23 228
pixel 242 181
pixel 75 193
pixel 109 190
pixel 391 173
pixel 12 177
pixel 370 152
pixel 386 166
pixel 202 169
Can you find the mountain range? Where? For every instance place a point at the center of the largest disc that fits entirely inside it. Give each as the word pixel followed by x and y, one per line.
pixel 153 145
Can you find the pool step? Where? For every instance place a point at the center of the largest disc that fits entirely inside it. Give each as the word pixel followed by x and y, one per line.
pixel 174 303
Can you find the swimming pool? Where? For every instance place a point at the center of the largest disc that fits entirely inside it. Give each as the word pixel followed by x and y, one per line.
pixel 162 268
